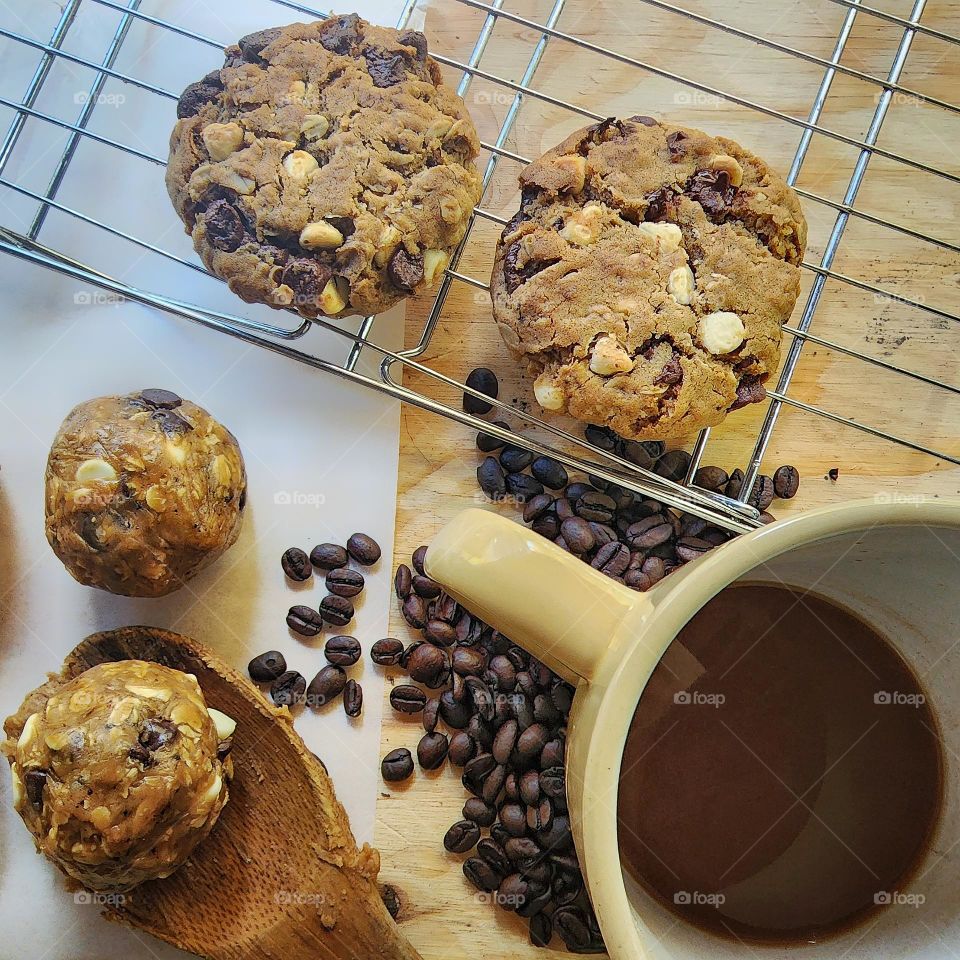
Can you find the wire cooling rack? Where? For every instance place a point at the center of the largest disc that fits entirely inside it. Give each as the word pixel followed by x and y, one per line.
pixel 510 91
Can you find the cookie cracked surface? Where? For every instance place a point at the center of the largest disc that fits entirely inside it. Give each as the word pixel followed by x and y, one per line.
pixel 647 275
pixel 325 167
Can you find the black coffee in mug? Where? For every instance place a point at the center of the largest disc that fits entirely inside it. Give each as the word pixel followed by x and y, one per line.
pixel 783 774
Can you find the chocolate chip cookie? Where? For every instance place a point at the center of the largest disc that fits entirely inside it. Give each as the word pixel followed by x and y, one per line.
pixel 646 276
pixel 325 167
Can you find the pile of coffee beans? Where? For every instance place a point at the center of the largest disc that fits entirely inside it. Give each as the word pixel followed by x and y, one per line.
pixel 499 715
pixel 288 687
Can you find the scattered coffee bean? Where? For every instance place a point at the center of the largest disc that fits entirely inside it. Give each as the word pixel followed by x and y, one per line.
pixel 577 535
pixel 491 479
pixel 365 550
pixel 296 564
pixel 453 713
pixel 396 765
pixel 550 473
pixel 491 851
pixel 304 620
pixel 403 582
pixel 267 666
pixel 328 556
pixel 487 443
pixel 711 478
pixel 761 496
pixel 522 487
pixel 485 381
pixel 414 611
pixel 541 930
pixel 345 582
pixel 288 689
pixel 432 750
pixel 786 482
pixel 386 652
pixel 673 465
pixel 833 473
pixel 734 484
pixel 461 837
pixel 342 651
pixel 483 814
pixel 426 663
pixel 352 698
pixel 425 587
pixel 513 459
pixel 430 715
pixel 462 748
pixel 419 555
pixel 481 874
pixel 406 698
pixel 327 685
pixel 441 632
pixel 336 610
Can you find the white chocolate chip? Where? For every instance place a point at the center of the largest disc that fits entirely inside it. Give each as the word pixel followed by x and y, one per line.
pixel 575 168
pixel 728 165
pixel 334 297
pixel 95 469
pixel 176 451
pixel 300 164
pixel 314 126
pixel 681 285
pixel 28 732
pixel 58 740
pixel 222 470
pixel 213 791
pixel 156 501
pixel 240 184
pixel 449 209
pixel 438 129
pixel 320 236
pixel 668 235
pixel 579 234
pixel 225 725
pixel 222 139
pixel 17 784
pixel 149 693
pixel 434 263
pixel 721 332
pixel 548 394
pixel 296 90
pixel 283 295
pixel 389 238
pixel 608 357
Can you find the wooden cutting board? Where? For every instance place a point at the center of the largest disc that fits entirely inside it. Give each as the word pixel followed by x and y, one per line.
pixel 441 913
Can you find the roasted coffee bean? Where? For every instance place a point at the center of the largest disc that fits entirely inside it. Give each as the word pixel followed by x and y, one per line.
pixel 491 479
pixel 513 892
pixel 288 689
pixel 602 534
pixel 480 698
pixel 673 465
pixel 552 753
pixel 505 741
pixel 267 666
pixel 571 924
pixel 637 580
pixel 547 526
pixel 537 507
pixel 601 437
pixel 761 496
pixel 426 663
pixel 342 651
pixel 562 696
pixel 387 652
pixel 296 564
pixel 553 782
pixel 577 535
pixel 638 454
pixel 529 788
pixel 766 517
pixel 734 484
pixel 786 482
pixel 493 784
pixel 425 587
pixel 556 837
pixel 327 685
pixel 446 608
pixel 513 459
pixel 481 874
pixel 598 507
pixel 510 789
pixel 487 442
pixel 304 620
pixel 345 582
pixel 352 698
pixel 522 487
pixel 406 698
pixel 467 661
pixel 414 611
pixel 432 750
pixel 453 714
pixel 403 582
pixel 521 851
pixel 461 837
pixel 545 711
pixel 336 610
pixel 654 568
pixel 480 730
pixel 441 632
pixel 430 715
pixel 458 689
pixel 540 816
pixel 479 812
pixel 691 526
pixel 505 671
pixel 485 381
pixel 480 767
pixel 576 490
pixel 689 548
pixel 396 765
pixel 612 559
pixel 550 473
pixel 364 549
pixel 462 748
pixel 328 556
pixel 649 532
pixel 419 556
pixel 541 930
pixel 492 852
pixel 514 819
pixel 711 478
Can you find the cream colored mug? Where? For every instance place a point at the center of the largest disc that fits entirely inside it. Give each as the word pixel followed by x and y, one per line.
pixel 897 565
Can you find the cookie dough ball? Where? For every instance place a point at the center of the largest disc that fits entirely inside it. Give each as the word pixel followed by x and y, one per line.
pixel 121 772
pixel 325 167
pixel 142 492
pixel 646 277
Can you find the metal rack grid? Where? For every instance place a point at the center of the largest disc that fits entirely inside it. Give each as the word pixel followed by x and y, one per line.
pixel 735 514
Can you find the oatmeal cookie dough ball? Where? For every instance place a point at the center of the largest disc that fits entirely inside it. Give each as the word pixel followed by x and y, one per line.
pixel 646 277
pixel 120 772
pixel 142 492
pixel 325 167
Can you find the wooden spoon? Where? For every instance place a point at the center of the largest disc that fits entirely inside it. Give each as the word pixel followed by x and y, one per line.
pixel 280 876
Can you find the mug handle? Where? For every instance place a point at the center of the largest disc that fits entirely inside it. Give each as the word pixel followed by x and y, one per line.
pixel 550 602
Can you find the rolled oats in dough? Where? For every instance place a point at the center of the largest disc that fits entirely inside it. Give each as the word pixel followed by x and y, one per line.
pixel 142 492
pixel 325 167
pixel 119 773
pixel 646 276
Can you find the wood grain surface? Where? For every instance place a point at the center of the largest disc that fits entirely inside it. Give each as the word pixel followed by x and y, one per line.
pixel 441 914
